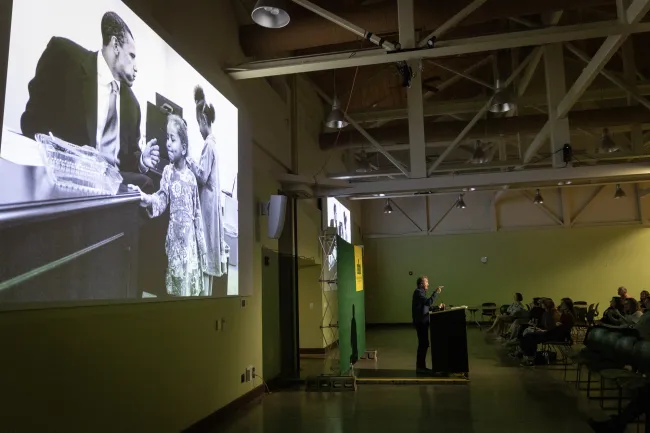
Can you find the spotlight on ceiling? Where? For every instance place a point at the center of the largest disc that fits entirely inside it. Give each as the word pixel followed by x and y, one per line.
pixel 271 14
pixel 619 192
pixel 607 145
pixel 388 208
pixel 460 203
pixel 479 156
pixel 502 101
pixel 538 198
pixel 336 118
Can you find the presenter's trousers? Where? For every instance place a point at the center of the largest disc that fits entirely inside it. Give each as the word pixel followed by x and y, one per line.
pixel 422 330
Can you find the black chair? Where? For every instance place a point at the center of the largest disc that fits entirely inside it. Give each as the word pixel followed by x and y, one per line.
pixel 580 304
pixel 489 309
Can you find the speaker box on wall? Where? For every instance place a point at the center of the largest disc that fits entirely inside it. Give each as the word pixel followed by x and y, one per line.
pixel 277 211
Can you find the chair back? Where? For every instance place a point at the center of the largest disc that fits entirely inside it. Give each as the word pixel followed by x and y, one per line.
pixel 594 339
pixel 581 316
pixel 580 304
pixel 642 356
pixel 609 344
pixel 624 349
pixel 488 308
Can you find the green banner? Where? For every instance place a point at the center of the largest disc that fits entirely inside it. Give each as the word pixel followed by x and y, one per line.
pixel 352 310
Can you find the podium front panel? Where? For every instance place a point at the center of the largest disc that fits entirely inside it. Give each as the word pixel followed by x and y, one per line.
pixel 448 335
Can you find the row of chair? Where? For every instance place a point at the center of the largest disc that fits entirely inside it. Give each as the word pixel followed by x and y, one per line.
pixel 618 357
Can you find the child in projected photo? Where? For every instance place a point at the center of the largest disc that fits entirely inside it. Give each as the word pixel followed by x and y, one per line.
pixel 185 243
pixel 206 171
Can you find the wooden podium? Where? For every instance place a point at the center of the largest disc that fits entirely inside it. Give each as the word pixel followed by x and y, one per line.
pixel 448 334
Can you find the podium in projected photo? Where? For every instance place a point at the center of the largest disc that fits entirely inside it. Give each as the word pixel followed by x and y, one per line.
pixel 448 335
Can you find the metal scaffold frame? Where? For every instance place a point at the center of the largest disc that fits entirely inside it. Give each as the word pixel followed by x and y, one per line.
pixel 328 281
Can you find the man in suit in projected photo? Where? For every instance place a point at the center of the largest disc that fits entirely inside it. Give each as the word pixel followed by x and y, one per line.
pixel 85 97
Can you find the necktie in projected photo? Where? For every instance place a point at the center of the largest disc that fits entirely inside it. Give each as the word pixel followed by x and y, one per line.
pixel 109 136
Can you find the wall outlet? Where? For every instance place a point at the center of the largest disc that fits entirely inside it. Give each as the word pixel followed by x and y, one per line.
pixel 249 373
pixel 253 373
pixel 243 378
pixel 243 303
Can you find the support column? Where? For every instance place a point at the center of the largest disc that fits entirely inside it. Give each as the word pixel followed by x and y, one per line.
pixel 629 72
pixel 555 92
pixel 414 93
pixel 288 293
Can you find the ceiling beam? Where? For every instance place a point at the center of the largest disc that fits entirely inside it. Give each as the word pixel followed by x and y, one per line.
pixel 549 35
pixel 634 14
pixel 525 80
pixel 363 132
pixel 417 152
pixel 631 90
pixel 555 91
pixel 440 87
pixel 464 106
pixel 612 172
pixel 476 118
pixel 462 74
pixel 452 22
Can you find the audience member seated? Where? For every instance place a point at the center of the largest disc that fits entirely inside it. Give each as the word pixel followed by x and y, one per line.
pixel 561 331
pixel 622 293
pixel 632 314
pixel 641 402
pixel 643 324
pixel 532 318
pixel 616 308
pixel 514 311
pixel 642 297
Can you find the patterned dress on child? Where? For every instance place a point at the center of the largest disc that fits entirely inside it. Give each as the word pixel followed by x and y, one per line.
pixel 185 243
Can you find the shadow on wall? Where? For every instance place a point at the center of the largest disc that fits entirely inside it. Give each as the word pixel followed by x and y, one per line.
pixel 354 357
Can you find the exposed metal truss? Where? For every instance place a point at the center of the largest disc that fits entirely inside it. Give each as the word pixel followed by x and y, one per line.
pixel 603 173
pixel 479 44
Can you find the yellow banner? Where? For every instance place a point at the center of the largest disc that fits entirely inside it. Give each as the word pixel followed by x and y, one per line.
pixel 358 266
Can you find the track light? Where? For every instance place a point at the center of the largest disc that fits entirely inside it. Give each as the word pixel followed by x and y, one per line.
pixel 538 198
pixel 460 203
pixel 607 145
pixel 619 192
pixel 336 118
pixel 479 156
pixel 502 101
pixel 271 14
pixel 388 208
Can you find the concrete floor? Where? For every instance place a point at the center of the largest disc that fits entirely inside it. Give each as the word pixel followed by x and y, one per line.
pixel 501 397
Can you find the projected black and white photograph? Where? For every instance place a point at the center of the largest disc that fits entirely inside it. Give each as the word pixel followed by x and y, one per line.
pixel 338 216
pixel 98 104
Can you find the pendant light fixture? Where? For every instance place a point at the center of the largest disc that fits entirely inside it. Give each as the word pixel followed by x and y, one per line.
pixel 460 203
pixel 388 209
pixel 272 14
pixel 502 101
pixel 607 145
pixel 336 118
pixel 538 198
pixel 620 193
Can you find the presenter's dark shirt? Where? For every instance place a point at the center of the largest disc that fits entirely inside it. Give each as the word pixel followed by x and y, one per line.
pixel 421 304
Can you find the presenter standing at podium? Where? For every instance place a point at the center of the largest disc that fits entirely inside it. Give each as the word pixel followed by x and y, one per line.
pixel 420 306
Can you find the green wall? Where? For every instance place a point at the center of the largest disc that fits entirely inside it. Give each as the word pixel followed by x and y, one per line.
pixel 587 264
pixel 351 307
